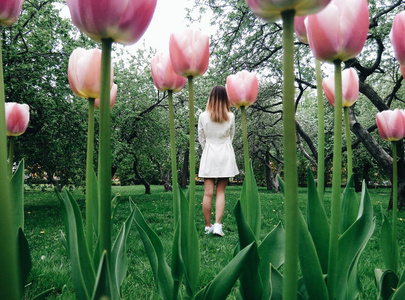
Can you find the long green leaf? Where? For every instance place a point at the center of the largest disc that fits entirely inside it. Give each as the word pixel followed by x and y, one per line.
pixel 271 251
pixel 251 286
pixel 189 247
pixel 310 265
pixel 103 285
pixel 250 202
pixel 351 245
pixel 389 248
pixel 349 207
pixel 119 260
pixel 222 284
pixel 177 267
pixel 317 222
pixel 17 194
pixel 83 274
pixel 154 250
pixel 24 256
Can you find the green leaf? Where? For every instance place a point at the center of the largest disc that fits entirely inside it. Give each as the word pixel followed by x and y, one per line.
pixel 24 257
pixel 389 248
pixel 271 251
pixel 103 286
pixel 399 293
pixel 17 194
pixel 251 286
pixel 317 222
pixel 250 202
pixel 387 282
pixel 222 284
pixel 189 246
pixel 402 278
pixel 349 207
pixel 276 281
pixel 154 250
pixel 83 274
pixel 44 294
pixel 177 268
pixel 310 265
pixel 351 244
pixel 119 260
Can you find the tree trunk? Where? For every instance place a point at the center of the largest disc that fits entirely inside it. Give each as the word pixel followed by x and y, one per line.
pixel 140 177
pixel 184 175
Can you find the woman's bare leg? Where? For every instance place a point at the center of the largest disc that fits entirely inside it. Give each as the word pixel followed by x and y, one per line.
pixel 220 199
pixel 209 185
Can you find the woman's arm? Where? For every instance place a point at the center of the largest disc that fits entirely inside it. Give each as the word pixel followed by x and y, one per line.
pixel 201 134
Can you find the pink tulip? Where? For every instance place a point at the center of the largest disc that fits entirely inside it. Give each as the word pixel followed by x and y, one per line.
pixel 84 72
pixel 350 87
pixel 113 97
pixel 163 74
pixel 123 21
pixel 338 32
pixel 301 29
pixel 270 10
pixel 391 124
pixel 17 118
pixel 242 88
pixel 9 11
pixel 397 37
pixel 189 52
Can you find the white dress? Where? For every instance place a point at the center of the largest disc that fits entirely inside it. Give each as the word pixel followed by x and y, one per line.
pixel 218 156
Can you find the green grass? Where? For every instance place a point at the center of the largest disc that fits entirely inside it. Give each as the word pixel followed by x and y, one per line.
pixel 51 268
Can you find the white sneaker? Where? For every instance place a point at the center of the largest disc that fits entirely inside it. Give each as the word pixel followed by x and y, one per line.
pixel 217 229
pixel 208 229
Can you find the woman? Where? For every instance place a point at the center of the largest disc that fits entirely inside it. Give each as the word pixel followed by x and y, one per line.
pixel 216 127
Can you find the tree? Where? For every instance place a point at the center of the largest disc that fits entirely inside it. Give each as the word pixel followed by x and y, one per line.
pixel 243 41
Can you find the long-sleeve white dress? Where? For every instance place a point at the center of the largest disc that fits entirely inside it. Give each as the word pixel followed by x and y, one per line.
pixel 218 156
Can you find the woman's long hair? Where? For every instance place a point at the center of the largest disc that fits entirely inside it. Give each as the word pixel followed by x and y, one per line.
pixel 218 104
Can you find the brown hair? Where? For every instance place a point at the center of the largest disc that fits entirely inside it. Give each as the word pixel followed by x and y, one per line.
pixel 218 104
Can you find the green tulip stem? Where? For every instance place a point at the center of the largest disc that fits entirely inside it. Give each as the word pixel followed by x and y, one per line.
pixel 9 276
pixel 247 209
pixel 10 155
pixel 176 204
pixel 104 155
pixel 192 147
pixel 290 161
pixel 89 176
pixel 349 145
pixel 336 184
pixel 394 204
pixel 321 131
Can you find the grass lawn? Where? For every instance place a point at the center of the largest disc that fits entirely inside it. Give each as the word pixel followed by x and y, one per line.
pixel 51 267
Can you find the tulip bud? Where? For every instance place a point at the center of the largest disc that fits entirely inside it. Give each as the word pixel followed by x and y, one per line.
pixel 397 37
pixel 17 118
pixel 163 74
pixel 189 53
pixel 301 29
pixel 9 11
pixel 338 32
pixel 242 88
pixel 84 72
pixel 350 87
pixel 122 21
pixel 113 97
pixel 391 124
